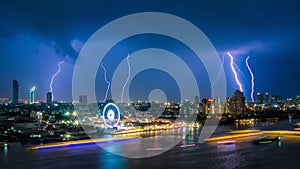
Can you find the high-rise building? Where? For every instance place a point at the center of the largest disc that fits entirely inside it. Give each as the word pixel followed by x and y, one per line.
pixel 276 100
pixel 83 99
pixel 290 102
pixel 226 108
pixel 237 103
pixel 49 98
pixel 31 95
pixel 206 105
pixel 297 100
pixel 260 98
pixel 196 99
pixel 267 99
pixel 15 92
pixel 217 101
pixel 218 108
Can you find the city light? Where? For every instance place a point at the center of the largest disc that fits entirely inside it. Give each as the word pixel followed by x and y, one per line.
pixel 226 142
pixel 188 145
pixel 235 136
pixel 149 84
pixel 33 88
pixel 81 142
pixel 31 95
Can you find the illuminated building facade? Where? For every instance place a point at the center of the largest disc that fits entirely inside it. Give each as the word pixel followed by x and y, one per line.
pixel 260 98
pixel 267 99
pixel 31 95
pixel 206 104
pixel 171 111
pixel 226 107
pixel 290 102
pixel 237 103
pixel 297 100
pixel 276 100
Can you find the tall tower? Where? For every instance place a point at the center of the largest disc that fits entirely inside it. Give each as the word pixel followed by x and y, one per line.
pixel 260 98
pixel 237 103
pixel 31 95
pixel 197 100
pixel 15 92
pixel 83 99
pixel 267 99
pixel 49 98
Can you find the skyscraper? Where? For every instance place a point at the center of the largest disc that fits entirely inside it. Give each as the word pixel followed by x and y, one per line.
pixel 260 98
pixel 237 103
pixel 267 99
pixel 83 99
pixel 276 100
pixel 15 92
pixel 49 98
pixel 217 100
pixel 196 99
pixel 31 95
pixel 297 100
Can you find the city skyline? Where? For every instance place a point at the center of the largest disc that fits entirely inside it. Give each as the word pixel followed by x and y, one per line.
pixel 149 84
pixel 269 36
pixel 259 98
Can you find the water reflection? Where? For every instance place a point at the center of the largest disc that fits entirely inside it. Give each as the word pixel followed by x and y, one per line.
pixel 111 161
pixel 226 147
pixel 242 154
pixel 5 151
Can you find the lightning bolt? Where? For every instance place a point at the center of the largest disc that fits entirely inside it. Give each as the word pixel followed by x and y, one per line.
pixel 234 72
pixel 252 79
pixel 108 83
pixel 128 77
pixel 53 77
pixel 241 73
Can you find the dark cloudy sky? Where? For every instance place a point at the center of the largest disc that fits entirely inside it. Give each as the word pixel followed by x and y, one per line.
pixel 36 35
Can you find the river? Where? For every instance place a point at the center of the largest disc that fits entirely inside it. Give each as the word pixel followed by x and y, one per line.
pixel 242 154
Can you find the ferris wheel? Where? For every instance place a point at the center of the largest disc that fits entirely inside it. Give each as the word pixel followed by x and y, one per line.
pixel 111 115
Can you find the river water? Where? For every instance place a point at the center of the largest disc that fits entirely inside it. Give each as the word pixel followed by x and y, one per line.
pixel 242 154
